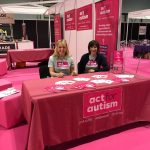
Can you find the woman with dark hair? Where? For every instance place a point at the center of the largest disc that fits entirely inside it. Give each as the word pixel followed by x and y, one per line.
pixel 92 61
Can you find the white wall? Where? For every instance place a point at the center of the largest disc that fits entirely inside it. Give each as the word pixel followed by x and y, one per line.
pixel 78 40
pixel 84 36
pixel 71 35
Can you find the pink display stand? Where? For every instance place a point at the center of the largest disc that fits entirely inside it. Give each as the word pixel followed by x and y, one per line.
pixel 10 111
pixel 4 84
pixel 3 67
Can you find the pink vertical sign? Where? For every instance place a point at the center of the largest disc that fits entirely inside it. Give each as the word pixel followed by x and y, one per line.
pixel 57 27
pixel 118 57
pixel 70 22
pixel 107 12
pixel 118 62
pixel 84 18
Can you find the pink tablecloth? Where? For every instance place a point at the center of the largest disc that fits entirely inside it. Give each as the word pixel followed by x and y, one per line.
pixel 56 117
pixel 28 55
pixel 3 66
pixel 4 84
pixel 10 111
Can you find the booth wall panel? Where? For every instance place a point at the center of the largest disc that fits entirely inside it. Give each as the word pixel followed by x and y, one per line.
pixel 39 37
pixel 42 28
pixel 71 35
pixel 133 31
pixel 82 3
pixel 31 31
pixel 17 29
pixel 148 31
pixel 82 38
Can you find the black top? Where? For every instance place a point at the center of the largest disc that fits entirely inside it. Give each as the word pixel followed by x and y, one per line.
pixel 100 60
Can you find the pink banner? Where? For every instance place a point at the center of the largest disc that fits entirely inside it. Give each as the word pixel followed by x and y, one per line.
pixel 70 23
pixel 118 57
pixel 84 18
pixel 106 32
pixel 118 62
pixel 100 102
pixel 57 27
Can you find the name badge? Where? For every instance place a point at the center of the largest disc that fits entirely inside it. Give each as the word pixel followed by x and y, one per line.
pixel 92 63
pixel 62 64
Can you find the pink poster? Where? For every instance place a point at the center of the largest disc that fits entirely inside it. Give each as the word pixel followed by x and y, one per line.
pixel 57 27
pixel 84 18
pixel 118 62
pixel 118 57
pixel 100 102
pixel 70 22
pixel 107 12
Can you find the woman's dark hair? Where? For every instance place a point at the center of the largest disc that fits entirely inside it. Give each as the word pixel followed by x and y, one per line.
pixel 92 44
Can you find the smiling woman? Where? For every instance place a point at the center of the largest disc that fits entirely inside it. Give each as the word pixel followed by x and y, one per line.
pixel 92 61
pixel 60 63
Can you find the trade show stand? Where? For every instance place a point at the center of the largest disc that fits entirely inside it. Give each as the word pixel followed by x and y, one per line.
pixel 60 110
pixel 24 44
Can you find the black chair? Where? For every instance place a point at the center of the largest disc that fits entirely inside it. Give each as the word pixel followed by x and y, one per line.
pixel 80 68
pixel 43 63
pixel 44 72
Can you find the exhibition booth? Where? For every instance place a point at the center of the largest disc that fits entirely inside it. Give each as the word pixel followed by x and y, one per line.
pixel 141 46
pixel 73 21
pixel 59 110
pixel 23 33
pixel 7 40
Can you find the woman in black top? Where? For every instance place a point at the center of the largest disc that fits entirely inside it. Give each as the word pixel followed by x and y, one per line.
pixel 92 61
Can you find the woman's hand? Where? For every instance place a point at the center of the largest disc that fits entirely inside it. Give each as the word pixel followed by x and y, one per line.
pixel 60 75
pixel 91 70
pixel 74 73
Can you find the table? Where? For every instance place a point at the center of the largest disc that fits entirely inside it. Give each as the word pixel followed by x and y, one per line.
pixel 57 117
pixel 3 66
pixel 28 55
pixel 4 84
pixel 141 50
pixel 10 112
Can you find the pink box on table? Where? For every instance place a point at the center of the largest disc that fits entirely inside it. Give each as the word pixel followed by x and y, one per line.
pixel 4 84
pixel 10 111
pixel 3 67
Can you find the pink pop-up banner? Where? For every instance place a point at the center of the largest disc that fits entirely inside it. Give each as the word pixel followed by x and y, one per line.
pixel 118 62
pixel 57 27
pixel 118 57
pixel 107 13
